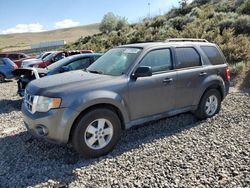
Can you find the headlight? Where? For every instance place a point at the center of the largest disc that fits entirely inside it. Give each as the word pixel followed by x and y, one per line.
pixel 44 104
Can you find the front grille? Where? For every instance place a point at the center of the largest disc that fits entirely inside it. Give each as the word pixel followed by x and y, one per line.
pixel 29 101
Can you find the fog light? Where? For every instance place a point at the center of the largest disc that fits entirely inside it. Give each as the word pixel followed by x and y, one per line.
pixel 42 130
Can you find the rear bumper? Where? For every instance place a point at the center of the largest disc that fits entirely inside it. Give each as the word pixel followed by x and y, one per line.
pixel 226 89
pixel 54 125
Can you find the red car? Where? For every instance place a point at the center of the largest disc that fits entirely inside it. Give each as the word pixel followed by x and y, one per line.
pixel 53 57
pixel 17 58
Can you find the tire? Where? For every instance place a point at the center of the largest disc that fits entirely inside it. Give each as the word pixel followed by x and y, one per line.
pixel 89 140
pixel 2 78
pixel 205 110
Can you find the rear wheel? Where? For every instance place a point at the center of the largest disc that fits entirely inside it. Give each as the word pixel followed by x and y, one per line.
pixel 209 105
pixel 2 78
pixel 96 133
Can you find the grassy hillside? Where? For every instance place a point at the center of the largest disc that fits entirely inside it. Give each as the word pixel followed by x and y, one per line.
pixel 24 40
pixel 227 23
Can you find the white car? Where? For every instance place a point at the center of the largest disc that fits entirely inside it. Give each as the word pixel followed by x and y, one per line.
pixel 26 63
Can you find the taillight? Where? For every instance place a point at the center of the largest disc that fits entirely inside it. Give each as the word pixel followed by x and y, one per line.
pixel 14 67
pixel 227 74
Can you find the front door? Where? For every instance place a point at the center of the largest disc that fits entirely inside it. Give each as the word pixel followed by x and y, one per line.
pixel 155 94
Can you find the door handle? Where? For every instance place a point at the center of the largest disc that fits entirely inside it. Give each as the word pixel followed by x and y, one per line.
pixel 203 73
pixel 167 80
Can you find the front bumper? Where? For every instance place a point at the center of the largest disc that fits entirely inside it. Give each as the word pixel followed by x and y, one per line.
pixel 54 125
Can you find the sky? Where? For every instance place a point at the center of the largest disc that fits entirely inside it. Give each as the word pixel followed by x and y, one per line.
pixel 18 16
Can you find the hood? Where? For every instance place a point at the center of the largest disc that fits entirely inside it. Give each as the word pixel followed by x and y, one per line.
pixel 64 83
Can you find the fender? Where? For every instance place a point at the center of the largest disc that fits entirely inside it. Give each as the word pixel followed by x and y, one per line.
pixel 211 81
pixel 108 97
pixel 23 71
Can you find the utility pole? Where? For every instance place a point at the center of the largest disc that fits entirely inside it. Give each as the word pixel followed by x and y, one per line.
pixel 149 9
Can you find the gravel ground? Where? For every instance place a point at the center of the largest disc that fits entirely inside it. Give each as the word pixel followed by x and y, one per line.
pixel 175 152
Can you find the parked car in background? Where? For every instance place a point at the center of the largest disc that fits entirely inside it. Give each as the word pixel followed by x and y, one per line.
pixel 17 58
pixel 39 58
pixel 127 86
pixel 51 58
pixel 6 68
pixel 75 62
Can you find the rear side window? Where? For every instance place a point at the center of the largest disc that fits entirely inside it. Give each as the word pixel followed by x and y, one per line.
pixel 13 56
pixel 159 60
pixel 187 57
pixel 213 55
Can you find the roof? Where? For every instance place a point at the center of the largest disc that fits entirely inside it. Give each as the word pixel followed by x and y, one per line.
pixel 168 44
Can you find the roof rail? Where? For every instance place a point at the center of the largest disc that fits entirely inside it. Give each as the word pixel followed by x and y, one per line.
pixel 185 40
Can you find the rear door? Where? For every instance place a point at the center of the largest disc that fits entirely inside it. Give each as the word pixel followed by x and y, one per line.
pixel 154 94
pixel 191 73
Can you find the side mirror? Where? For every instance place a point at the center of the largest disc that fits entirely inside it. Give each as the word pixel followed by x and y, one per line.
pixel 64 69
pixel 142 71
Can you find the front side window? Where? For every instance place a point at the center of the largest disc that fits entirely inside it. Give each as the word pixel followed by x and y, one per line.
pixel 159 60
pixel 213 55
pixel 187 57
pixel 115 62
pixel 79 64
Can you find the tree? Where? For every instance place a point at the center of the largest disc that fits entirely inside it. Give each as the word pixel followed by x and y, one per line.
pixel 183 3
pixel 109 23
pixel 122 22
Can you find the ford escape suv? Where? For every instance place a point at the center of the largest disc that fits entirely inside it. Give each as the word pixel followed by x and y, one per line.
pixel 127 86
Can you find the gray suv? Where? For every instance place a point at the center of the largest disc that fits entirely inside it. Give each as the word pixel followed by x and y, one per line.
pixel 128 85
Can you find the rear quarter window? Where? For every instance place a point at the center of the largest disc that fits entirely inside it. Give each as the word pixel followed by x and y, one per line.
pixel 187 57
pixel 213 55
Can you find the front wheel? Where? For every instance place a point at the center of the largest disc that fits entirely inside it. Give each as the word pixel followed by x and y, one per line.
pixel 96 133
pixel 210 104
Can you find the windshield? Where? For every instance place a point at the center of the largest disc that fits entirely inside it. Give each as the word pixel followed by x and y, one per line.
pixel 115 62
pixel 59 63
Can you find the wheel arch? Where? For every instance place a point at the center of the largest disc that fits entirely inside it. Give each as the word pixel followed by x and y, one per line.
pixel 96 106
pixel 216 86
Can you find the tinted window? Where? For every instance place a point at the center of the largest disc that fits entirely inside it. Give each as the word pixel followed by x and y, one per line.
pixel 213 55
pixel 187 57
pixel 13 56
pixel 158 60
pixel 22 56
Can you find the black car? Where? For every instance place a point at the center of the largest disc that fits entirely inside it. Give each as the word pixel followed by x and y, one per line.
pixel 75 62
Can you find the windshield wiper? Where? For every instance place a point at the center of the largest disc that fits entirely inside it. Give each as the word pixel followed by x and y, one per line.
pixel 94 71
